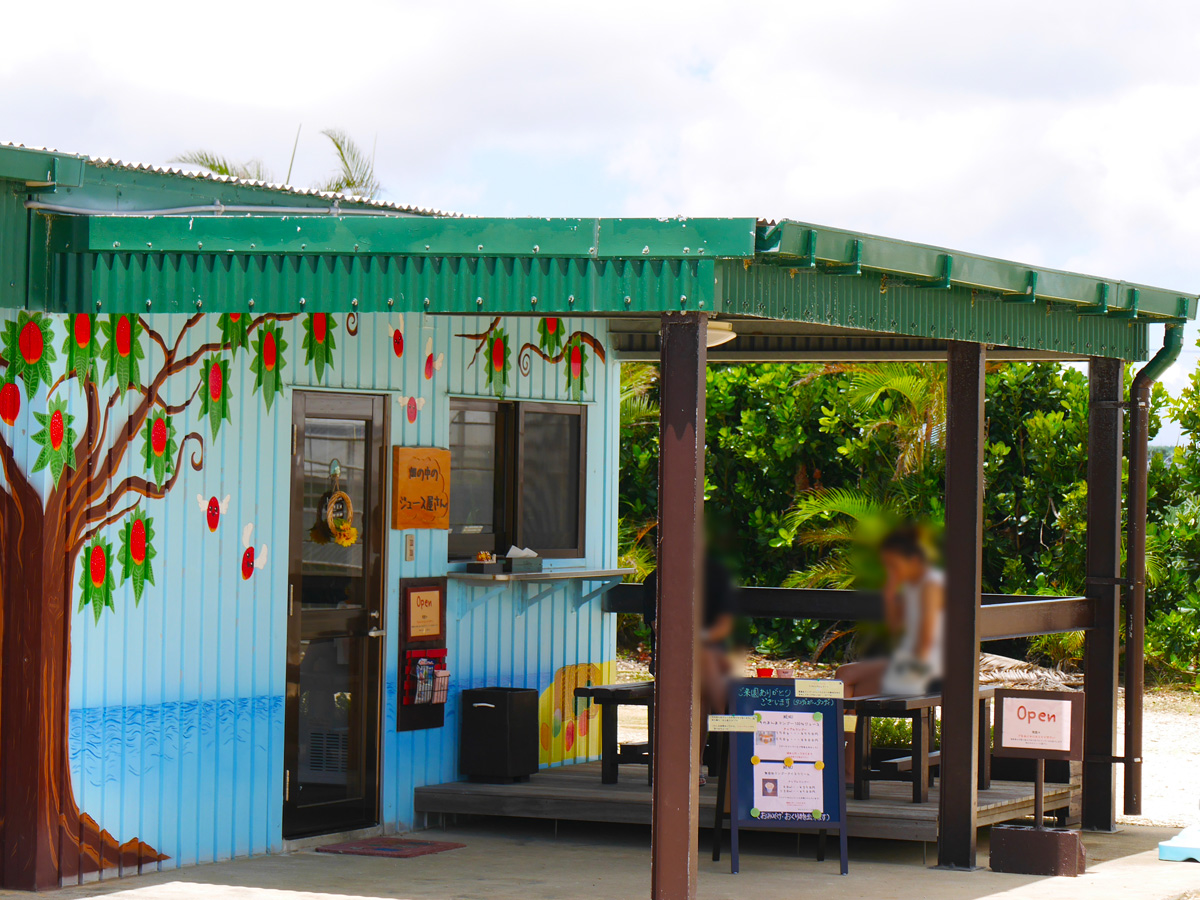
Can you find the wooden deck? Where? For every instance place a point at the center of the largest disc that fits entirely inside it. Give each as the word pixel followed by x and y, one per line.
pixel 574 793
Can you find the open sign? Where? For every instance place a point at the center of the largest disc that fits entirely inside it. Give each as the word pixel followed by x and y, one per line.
pixel 1039 724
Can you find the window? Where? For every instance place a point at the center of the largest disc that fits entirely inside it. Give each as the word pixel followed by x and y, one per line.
pixel 516 477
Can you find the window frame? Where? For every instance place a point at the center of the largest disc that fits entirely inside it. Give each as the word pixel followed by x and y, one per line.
pixel 575 409
pixel 466 546
pixel 510 481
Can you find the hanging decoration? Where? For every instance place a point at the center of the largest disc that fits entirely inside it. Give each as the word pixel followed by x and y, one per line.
pixel 335 514
pixel 137 552
pixel 318 342
pixel 27 350
pixel 268 363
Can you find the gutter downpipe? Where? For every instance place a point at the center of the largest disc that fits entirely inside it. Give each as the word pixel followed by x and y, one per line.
pixel 1135 606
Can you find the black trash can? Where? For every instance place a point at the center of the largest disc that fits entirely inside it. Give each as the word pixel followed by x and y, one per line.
pixel 499 739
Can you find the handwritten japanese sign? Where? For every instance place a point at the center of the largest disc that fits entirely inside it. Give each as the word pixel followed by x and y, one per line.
pixel 420 487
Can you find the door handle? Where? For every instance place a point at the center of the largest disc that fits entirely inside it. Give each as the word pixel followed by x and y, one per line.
pixel 376 632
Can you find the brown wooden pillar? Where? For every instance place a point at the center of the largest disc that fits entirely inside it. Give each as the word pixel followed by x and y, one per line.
pixel 673 849
pixel 1106 391
pixel 964 555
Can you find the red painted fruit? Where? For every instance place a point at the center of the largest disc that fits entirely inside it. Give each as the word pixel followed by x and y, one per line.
pixel 97 566
pixel 56 429
pixel 158 436
pixel 137 541
pixel 569 736
pixel 216 380
pixel 498 354
pixel 248 563
pixel 233 317
pixel 123 335
pixel 270 352
pixel 10 402
pixel 551 325
pixel 30 342
pixel 411 406
pixel 398 342
pixel 576 361
pixel 214 514
pixel 83 330
pixel 319 326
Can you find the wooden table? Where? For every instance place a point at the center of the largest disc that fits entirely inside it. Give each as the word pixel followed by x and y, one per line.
pixel 609 697
pixel 919 711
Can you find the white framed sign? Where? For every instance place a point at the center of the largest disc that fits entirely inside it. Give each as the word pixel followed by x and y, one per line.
pixel 1039 724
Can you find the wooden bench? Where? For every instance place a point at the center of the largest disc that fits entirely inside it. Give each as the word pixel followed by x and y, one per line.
pixel 609 697
pixel 918 710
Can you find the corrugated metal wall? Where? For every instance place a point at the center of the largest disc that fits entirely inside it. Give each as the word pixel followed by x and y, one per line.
pixel 177 700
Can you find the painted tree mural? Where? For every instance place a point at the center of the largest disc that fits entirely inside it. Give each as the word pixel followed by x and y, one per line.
pixel 554 346
pixel 54 527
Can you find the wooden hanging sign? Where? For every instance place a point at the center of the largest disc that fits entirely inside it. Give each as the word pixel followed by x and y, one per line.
pixel 420 488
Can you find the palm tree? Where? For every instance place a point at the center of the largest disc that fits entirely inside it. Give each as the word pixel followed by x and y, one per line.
pixel 637 406
pixel 908 400
pixel 355 173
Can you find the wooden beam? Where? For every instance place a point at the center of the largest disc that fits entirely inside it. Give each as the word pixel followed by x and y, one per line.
pixel 1034 615
pixel 964 565
pixel 1106 390
pixel 676 816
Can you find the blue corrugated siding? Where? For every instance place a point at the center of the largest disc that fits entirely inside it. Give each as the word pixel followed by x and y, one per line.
pixel 176 703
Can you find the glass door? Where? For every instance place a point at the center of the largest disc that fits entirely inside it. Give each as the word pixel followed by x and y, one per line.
pixel 335 613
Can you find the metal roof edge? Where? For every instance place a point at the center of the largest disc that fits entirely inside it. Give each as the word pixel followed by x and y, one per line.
pixel 802 245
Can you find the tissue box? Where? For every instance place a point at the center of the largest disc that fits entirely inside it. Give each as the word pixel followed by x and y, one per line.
pixel 523 564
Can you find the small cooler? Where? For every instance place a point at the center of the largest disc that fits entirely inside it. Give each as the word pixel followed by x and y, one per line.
pixel 499 739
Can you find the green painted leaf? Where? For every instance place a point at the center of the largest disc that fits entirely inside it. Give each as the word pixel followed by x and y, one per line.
pixel 122 349
pixel 268 362
pixel 215 391
pixel 56 438
pixel 319 343
pixel 28 351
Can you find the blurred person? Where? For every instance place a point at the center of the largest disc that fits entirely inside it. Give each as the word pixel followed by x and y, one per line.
pixel 913 603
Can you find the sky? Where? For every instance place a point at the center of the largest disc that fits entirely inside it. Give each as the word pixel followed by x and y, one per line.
pixel 1062 134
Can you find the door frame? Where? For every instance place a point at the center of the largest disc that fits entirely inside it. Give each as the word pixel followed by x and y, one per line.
pixel 333 405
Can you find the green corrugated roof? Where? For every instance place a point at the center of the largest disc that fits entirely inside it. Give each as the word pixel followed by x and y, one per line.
pixel 365 258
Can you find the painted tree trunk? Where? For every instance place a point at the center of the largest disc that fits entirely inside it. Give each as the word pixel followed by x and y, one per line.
pixel 46 839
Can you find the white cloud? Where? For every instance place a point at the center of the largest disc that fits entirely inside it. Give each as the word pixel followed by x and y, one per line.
pixel 1061 134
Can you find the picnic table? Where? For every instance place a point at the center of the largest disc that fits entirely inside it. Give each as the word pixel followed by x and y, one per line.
pixel 919 710
pixel 609 697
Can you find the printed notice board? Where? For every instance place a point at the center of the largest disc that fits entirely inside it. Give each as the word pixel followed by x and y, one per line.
pixel 420 487
pixel 788 771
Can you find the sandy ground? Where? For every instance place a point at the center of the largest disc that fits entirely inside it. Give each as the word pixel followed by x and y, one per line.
pixel 531 860
pixel 1171 752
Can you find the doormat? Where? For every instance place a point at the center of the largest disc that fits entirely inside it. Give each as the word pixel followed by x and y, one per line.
pixel 397 848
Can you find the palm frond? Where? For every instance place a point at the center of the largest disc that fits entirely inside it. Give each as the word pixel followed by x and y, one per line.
pixel 251 170
pixel 833 571
pixel 356 173
pixel 830 502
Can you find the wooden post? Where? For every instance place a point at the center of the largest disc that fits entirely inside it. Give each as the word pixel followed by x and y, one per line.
pixel 964 541
pixel 676 815
pixel 1106 391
